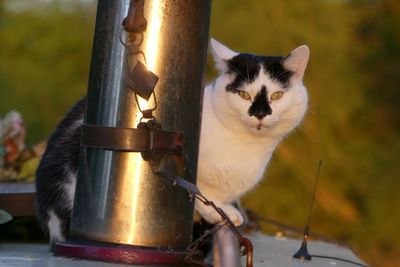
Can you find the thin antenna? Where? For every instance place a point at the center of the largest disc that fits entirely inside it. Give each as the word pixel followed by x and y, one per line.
pixel 313 196
pixel 302 253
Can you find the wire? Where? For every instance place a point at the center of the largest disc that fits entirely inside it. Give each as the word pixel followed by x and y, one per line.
pixel 339 259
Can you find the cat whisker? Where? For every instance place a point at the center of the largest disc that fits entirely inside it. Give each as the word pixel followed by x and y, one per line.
pixel 247 70
pixel 286 72
pixel 238 72
pixel 311 111
pixel 306 133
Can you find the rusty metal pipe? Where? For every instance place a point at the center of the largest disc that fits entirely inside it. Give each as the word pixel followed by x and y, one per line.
pixel 118 198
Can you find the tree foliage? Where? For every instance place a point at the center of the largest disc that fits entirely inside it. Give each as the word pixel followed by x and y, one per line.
pixel 45 54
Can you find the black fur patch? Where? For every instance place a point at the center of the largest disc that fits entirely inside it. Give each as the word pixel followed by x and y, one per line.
pixel 274 66
pixel 246 67
pixel 260 107
pixel 58 164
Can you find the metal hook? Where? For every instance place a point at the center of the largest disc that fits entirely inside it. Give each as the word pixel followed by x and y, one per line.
pixel 147 113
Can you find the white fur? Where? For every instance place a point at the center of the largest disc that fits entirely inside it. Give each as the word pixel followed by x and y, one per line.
pixel 69 188
pixel 220 54
pixel 234 149
pixel 54 226
pixel 297 61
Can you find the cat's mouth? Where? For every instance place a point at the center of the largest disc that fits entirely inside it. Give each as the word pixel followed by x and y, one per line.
pixel 258 129
pixel 260 126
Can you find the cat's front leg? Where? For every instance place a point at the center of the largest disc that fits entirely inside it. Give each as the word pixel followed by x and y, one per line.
pixel 212 216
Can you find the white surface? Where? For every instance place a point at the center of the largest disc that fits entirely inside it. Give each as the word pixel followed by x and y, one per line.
pixel 35 255
pixel 272 252
pixel 268 252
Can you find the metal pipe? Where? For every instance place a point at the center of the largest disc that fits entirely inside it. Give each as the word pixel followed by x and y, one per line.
pixel 118 198
pixel 226 248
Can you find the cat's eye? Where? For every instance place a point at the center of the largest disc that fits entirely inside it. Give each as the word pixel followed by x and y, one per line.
pixel 277 95
pixel 244 95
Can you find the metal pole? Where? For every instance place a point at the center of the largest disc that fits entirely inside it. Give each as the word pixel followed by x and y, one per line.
pixel 118 199
pixel 226 248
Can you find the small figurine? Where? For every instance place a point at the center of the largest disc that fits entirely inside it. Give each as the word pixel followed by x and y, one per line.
pixel 13 136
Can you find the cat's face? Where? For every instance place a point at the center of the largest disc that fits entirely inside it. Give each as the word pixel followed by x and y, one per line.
pixel 263 95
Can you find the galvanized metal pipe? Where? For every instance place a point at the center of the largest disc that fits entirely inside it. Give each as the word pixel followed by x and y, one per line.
pixel 226 248
pixel 118 198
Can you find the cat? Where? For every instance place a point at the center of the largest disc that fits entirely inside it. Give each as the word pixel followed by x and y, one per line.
pixel 56 175
pixel 248 109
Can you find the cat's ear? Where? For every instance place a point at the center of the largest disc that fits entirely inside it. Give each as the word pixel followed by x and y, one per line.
pixel 297 60
pixel 221 55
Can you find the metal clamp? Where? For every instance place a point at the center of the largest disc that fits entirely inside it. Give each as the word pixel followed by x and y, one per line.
pixel 147 138
pixel 135 21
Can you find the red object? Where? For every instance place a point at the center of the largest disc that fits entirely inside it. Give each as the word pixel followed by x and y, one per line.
pixel 12 150
pixel 118 253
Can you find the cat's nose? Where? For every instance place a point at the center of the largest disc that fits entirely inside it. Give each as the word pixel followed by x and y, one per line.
pixel 261 114
pixel 260 117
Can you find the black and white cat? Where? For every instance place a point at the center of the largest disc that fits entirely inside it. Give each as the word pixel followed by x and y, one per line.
pixel 252 105
pixel 247 111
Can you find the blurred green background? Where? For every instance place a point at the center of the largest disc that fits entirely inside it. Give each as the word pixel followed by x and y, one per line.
pixel 353 122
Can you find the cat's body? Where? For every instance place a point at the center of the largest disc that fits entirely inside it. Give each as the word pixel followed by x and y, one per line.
pixel 247 111
pixel 231 162
pixel 56 174
pixel 242 125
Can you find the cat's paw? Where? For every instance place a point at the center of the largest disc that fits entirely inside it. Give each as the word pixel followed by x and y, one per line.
pixel 233 214
pixel 212 216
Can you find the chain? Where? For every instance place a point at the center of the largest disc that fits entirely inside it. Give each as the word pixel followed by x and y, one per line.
pixel 246 247
pixel 133 44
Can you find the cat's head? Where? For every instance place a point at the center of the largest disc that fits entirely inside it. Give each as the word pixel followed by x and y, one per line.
pixel 261 94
